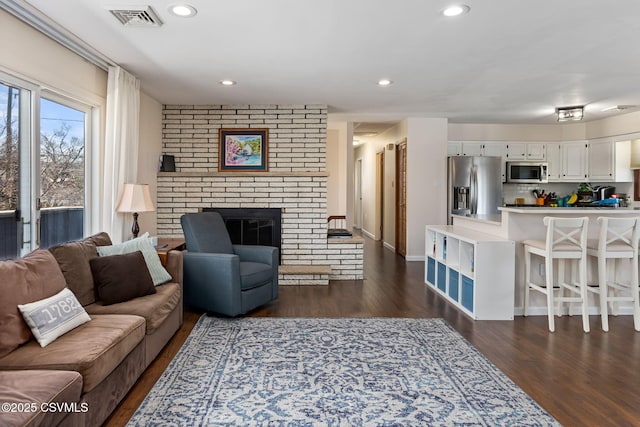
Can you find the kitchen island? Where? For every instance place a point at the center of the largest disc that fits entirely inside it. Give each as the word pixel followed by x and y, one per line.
pixel 521 223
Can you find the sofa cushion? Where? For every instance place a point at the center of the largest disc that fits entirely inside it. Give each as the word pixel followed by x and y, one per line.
pixel 31 278
pixel 54 316
pixel 100 239
pixel 143 244
pixel 73 258
pixel 36 387
pixel 154 308
pixel 119 278
pixel 93 349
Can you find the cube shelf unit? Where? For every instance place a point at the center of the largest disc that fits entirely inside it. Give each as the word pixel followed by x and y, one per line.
pixel 474 271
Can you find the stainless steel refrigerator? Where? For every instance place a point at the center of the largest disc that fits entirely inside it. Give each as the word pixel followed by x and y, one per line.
pixel 474 185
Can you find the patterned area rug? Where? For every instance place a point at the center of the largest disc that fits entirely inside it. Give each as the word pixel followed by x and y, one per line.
pixel 333 372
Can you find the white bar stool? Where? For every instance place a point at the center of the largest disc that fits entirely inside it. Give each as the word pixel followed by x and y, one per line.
pixel 566 239
pixel 618 240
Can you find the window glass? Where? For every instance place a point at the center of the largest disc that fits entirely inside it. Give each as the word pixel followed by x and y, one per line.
pixel 43 176
pixel 62 172
pixel 9 173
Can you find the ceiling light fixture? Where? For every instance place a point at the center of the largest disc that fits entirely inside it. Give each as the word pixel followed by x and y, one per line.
pixel 227 82
pixel 570 113
pixel 183 10
pixel 455 10
pixel 384 82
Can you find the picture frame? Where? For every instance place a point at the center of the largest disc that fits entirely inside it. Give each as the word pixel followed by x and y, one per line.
pixel 243 150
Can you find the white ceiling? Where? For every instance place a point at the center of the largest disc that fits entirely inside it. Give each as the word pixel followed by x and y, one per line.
pixel 506 61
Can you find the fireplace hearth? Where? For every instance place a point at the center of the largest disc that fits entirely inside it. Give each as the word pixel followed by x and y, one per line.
pixel 253 226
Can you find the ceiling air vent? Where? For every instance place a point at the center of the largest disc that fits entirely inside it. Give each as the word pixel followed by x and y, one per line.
pixel 142 16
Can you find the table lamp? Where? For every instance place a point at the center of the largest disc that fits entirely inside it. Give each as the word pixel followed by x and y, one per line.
pixel 135 198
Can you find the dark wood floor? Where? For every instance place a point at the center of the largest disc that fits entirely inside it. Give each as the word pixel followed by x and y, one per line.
pixel 581 379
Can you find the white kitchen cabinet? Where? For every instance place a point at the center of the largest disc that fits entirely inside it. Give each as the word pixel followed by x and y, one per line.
pixel 516 151
pixel 472 148
pixel 601 160
pixel 474 271
pixel 574 157
pixel 609 161
pixel 526 151
pixel 536 151
pixel 454 148
pixel 554 161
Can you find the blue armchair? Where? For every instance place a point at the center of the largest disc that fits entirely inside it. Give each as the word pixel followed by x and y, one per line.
pixel 221 277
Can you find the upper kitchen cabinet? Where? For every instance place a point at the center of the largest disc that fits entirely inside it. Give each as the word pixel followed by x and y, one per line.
pixel 597 160
pixel 473 148
pixel 526 151
pixel 574 163
pixel 609 160
pixel 554 162
pixel 457 148
pixel 601 160
pixel 454 148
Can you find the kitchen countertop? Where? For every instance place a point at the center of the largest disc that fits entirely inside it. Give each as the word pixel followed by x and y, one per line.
pixel 569 210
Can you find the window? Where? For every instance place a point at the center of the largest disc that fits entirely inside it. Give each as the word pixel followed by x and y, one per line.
pixel 62 172
pixel 43 181
pixel 9 177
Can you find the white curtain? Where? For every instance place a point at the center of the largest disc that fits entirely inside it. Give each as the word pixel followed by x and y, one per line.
pixel 120 161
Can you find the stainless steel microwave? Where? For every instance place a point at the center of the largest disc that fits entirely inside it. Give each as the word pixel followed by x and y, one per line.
pixel 527 172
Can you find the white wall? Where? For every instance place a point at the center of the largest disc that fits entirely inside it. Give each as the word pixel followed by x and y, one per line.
pixel 426 179
pixel 618 125
pixel 337 170
pixel 149 150
pixel 30 55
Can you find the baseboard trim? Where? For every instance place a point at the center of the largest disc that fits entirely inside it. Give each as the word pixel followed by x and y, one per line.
pixel 366 233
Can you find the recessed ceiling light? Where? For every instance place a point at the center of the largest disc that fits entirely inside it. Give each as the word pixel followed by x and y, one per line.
pixel 384 82
pixel 455 10
pixel 183 10
pixel 227 82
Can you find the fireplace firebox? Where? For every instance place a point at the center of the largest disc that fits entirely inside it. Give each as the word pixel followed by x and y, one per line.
pixel 252 226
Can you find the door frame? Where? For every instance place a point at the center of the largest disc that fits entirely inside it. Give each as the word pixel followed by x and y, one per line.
pixel 401 194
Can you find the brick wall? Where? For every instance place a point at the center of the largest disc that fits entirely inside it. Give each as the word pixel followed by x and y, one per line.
pixel 297 134
pixel 296 181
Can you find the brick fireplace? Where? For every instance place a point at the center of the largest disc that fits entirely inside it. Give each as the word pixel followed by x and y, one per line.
pixel 295 183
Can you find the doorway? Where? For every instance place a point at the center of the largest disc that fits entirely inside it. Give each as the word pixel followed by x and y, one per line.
pixel 401 198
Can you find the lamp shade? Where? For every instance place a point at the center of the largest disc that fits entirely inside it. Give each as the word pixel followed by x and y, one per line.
pixel 135 198
pixel 634 162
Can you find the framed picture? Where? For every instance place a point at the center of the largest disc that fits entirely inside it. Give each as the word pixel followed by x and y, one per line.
pixel 243 150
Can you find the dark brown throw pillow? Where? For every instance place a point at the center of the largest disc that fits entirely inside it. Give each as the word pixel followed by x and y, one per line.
pixel 119 278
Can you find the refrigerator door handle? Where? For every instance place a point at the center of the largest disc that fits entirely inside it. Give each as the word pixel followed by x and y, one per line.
pixel 474 190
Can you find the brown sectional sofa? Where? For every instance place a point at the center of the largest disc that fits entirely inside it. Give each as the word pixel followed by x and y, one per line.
pixel 92 367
